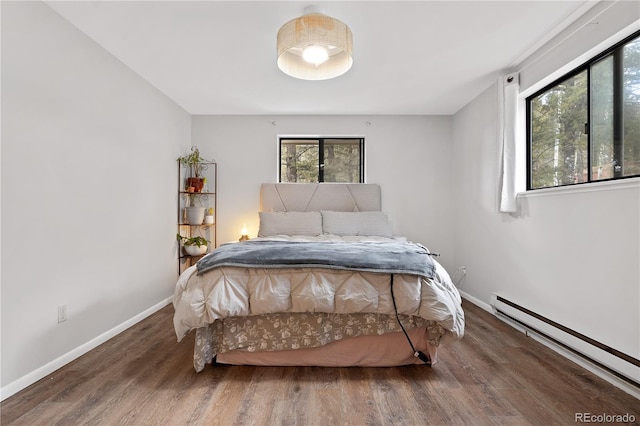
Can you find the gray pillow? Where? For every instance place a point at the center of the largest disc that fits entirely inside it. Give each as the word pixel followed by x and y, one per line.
pixel 290 223
pixel 375 223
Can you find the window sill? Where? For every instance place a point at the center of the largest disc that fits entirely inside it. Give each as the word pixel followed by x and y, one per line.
pixel 610 185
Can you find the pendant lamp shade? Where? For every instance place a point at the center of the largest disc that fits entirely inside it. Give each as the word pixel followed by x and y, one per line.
pixel 315 47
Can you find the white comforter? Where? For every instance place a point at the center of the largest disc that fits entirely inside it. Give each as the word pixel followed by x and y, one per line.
pixel 233 291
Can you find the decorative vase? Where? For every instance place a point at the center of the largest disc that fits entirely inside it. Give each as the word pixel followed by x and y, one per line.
pixel 195 215
pixel 195 250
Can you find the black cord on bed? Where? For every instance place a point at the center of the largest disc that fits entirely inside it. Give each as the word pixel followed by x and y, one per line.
pixel 417 354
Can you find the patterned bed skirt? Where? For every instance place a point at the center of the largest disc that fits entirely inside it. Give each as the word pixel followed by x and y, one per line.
pixel 285 331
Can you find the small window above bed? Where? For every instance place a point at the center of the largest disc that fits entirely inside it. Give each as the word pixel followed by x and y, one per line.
pixel 310 160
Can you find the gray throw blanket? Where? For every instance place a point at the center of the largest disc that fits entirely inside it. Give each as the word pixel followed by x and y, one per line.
pixel 387 257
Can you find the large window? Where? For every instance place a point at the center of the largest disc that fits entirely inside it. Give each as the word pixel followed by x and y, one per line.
pixel 585 127
pixel 305 160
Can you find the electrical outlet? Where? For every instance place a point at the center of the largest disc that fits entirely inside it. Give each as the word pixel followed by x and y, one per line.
pixel 459 275
pixel 62 313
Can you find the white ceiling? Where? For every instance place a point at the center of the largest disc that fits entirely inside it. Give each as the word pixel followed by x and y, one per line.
pixel 414 57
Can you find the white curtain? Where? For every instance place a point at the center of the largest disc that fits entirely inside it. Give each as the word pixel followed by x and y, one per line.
pixel 508 90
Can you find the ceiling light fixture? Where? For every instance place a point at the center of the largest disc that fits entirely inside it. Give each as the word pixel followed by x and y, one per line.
pixel 315 46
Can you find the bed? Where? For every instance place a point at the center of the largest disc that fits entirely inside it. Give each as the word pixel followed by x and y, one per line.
pixel 325 283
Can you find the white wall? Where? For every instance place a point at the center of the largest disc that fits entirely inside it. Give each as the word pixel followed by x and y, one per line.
pixel 88 190
pixel 409 156
pixel 572 255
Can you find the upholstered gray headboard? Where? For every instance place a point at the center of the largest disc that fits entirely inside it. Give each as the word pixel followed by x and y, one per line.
pixel 305 197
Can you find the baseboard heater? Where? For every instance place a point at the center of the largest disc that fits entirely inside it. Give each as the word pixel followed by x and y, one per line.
pixel 497 300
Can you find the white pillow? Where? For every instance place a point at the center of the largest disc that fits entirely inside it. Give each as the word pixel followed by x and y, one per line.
pixel 290 223
pixel 373 223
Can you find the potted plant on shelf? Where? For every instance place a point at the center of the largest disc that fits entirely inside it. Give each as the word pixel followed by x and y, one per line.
pixel 194 162
pixel 194 214
pixel 193 246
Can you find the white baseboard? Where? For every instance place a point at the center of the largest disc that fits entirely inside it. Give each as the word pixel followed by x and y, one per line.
pixel 30 378
pixel 479 303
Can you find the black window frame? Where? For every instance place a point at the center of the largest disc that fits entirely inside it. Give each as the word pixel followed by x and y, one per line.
pixel 617 51
pixel 321 141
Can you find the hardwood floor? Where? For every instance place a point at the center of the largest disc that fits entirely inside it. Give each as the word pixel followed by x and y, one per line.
pixel 494 375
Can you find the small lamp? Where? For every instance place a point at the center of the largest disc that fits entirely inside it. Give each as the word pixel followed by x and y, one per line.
pixel 243 232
